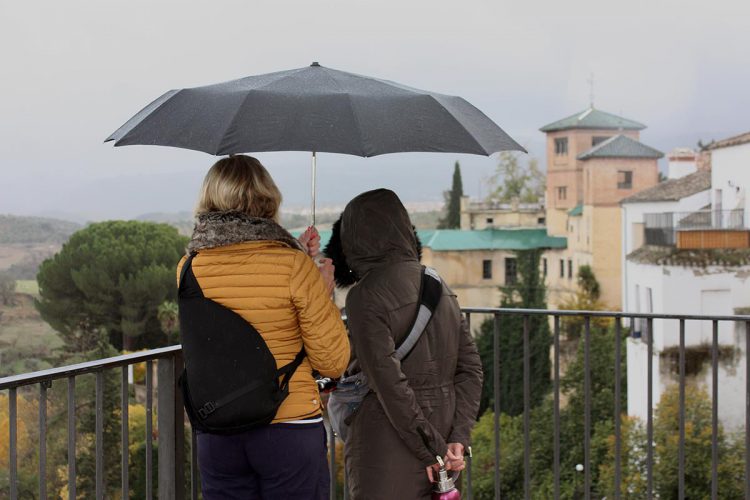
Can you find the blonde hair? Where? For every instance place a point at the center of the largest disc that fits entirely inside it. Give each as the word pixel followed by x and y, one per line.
pixel 239 183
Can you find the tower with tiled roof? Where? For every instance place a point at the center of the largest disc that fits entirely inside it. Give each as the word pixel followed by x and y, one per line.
pixel 594 160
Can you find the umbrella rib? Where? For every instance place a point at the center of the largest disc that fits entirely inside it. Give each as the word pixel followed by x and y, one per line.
pixel 289 74
pixel 471 136
pixel 218 149
pixel 174 92
pixel 364 151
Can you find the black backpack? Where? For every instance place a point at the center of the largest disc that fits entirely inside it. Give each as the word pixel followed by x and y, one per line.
pixel 230 383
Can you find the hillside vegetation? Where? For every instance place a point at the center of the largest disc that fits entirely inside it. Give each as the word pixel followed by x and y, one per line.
pixel 15 229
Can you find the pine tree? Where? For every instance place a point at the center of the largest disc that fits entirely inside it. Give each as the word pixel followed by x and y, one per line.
pixel 527 292
pixel 111 276
pixel 452 219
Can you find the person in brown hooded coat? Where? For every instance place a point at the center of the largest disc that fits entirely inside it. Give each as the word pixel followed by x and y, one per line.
pixel 424 405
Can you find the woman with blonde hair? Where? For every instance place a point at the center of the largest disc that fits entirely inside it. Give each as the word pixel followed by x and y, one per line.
pixel 243 260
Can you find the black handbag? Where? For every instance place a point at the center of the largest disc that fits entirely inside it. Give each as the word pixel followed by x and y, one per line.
pixel 230 383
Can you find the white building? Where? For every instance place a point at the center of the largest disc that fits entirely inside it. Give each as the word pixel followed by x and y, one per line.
pixel 687 248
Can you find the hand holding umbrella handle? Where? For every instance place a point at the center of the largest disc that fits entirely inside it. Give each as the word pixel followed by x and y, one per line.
pixel 310 241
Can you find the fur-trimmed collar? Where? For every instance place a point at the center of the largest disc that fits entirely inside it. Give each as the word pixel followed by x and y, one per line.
pixel 218 229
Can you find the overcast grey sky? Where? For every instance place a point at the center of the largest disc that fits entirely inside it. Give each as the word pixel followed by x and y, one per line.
pixel 71 72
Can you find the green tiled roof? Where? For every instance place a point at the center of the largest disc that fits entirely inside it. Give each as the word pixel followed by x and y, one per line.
pixel 578 210
pixel 443 240
pixel 593 119
pixel 620 146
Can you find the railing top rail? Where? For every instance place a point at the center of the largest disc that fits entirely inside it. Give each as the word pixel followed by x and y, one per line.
pixel 127 359
pixel 86 367
pixel 600 314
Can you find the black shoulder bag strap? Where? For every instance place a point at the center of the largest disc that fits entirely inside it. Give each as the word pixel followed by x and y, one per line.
pixel 430 292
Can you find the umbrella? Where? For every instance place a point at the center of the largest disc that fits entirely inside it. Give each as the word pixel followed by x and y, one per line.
pixel 314 109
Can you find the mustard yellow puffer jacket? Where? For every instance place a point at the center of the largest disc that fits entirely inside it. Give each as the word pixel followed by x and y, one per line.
pixel 280 291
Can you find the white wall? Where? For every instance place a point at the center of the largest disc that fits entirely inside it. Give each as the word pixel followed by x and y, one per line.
pixel 730 172
pixel 633 213
pixel 687 290
pixel 682 290
pixel 731 375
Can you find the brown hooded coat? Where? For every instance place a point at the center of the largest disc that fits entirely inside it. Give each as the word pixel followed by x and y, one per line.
pixel 434 393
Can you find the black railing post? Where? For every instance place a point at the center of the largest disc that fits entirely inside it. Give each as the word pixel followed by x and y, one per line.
pixel 469 483
pixel 99 405
pixel 72 437
pixel 13 442
pixel 587 408
pixel 168 429
pixel 526 410
pixel 747 409
pixel 496 393
pixel 149 430
pixel 715 411
pixel 681 444
pixel 650 409
pixel 43 386
pixel 618 409
pixel 556 424
pixel 124 432
pixel 179 426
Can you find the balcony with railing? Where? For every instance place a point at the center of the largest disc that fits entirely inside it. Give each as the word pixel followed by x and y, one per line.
pixel 513 469
pixel 702 229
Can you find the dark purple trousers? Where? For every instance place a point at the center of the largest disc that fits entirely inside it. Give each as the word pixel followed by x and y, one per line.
pixel 278 461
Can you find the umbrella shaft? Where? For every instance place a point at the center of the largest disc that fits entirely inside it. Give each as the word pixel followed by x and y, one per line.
pixel 314 169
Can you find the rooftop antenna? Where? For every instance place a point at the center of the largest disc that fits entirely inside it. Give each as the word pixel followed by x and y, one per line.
pixel 590 81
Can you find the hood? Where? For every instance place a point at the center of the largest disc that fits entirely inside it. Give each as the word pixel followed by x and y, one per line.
pixel 218 229
pixel 376 230
pixel 342 273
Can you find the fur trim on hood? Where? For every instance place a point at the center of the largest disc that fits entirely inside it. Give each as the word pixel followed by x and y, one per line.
pixel 218 229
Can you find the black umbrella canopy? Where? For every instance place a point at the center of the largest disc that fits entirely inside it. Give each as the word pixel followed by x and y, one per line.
pixel 314 109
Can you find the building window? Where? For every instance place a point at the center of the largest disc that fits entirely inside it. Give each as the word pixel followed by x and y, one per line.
pixel 544 267
pixel 487 269
pixel 510 271
pixel 624 179
pixel 598 139
pixel 561 146
pixel 541 221
pixel 562 192
pixel 562 268
pixel 490 220
pixel 570 268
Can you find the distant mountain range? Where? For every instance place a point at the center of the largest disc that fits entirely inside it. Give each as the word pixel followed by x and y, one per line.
pixel 18 229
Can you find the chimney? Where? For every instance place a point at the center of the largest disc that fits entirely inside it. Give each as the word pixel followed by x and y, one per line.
pixel 681 162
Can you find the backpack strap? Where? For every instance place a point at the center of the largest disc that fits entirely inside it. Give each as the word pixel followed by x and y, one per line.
pixel 288 370
pixel 285 371
pixel 188 286
pixel 430 292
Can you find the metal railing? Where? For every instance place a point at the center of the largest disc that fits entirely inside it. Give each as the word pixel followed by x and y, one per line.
pixel 170 419
pixel 171 422
pixel 661 228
